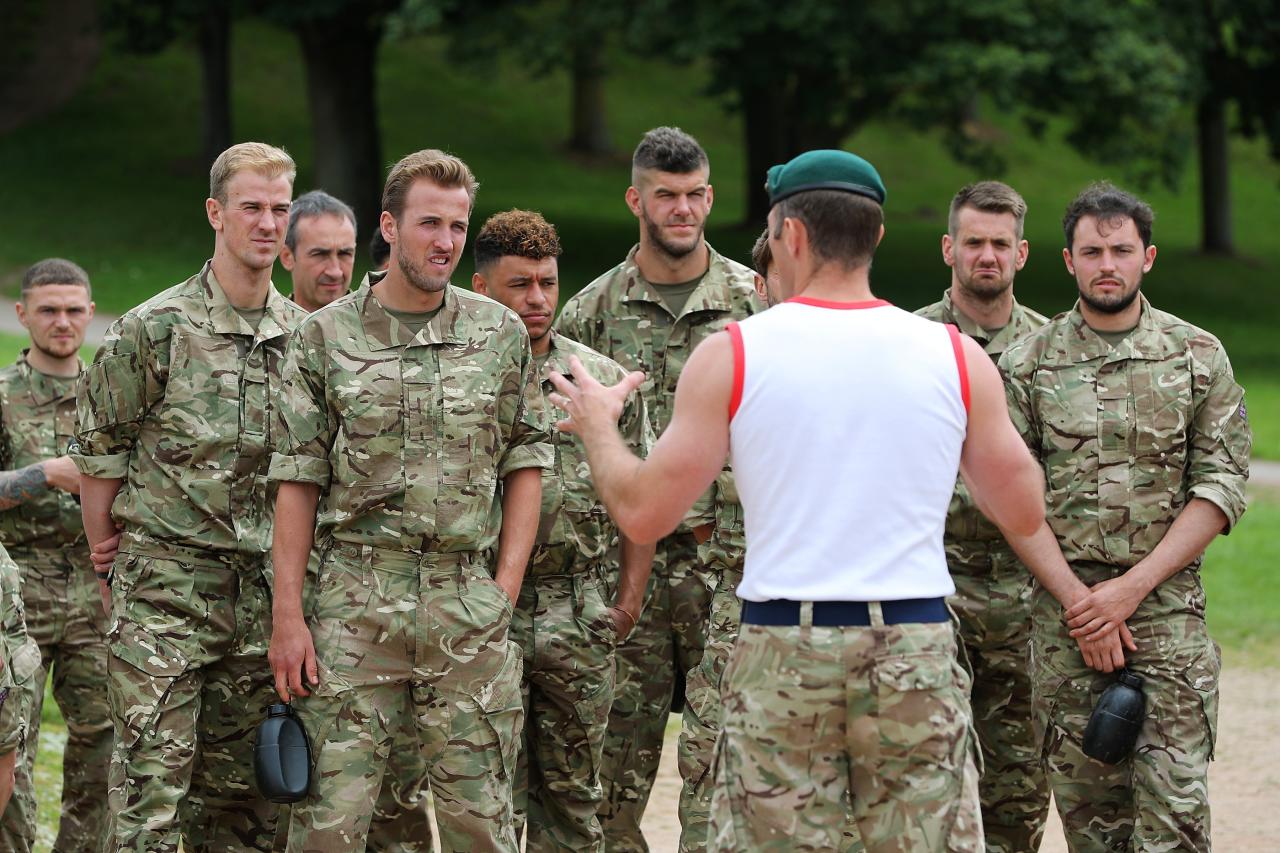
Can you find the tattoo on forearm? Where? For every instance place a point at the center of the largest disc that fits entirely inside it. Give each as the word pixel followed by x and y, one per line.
pixel 18 487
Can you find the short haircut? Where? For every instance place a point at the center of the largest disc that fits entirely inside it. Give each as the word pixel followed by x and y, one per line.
pixel 315 203
pixel 761 254
pixel 444 170
pixel 379 249
pixel 843 228
pixel 255 156
pixel 988 197
pixel 54 271
pixel 522 233
pixel 667 149
pixel 1108 203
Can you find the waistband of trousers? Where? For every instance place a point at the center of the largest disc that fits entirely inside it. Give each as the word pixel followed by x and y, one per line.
pixel 844 614
pixel 401 562
pixel 145 546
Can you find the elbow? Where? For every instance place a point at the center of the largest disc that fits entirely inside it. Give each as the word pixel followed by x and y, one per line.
pixel 643 525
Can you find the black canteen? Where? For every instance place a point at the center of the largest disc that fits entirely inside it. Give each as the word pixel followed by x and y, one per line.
pixel 1113 726
pixel 282 756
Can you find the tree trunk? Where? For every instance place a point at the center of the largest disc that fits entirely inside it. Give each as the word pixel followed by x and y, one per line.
pixel 765 136
pixel 340 56
pixel 1215 176
pixel 590 130
pixel 214 37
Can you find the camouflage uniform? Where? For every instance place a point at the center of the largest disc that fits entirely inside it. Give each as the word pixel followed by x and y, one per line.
pixel 563 626
pixel 45 536
pixel 622 316
pixel 408 436
pixel 993 608
pixel 1127 435
pixel 893 698
pixel 178 404
pixel 19 662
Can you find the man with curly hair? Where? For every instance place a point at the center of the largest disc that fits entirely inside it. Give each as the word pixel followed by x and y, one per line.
pixel 562 620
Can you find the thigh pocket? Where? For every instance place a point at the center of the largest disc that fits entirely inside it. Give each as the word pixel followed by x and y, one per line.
pixel 143 668
pixel 1202 677
pixel 922 707
pixel 500 703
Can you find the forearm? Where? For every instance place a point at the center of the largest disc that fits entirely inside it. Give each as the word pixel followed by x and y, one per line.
pixel 292 538
pixel 21 485
pixel 637 564
pixel 8 762
pixel 1040 553
pixel 1187 538
pixel 96 497
pixel 521 506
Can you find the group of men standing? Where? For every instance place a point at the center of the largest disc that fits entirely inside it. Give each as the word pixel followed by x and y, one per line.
pixel 356 502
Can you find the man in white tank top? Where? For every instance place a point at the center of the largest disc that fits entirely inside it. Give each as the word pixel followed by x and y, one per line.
pixel 847 419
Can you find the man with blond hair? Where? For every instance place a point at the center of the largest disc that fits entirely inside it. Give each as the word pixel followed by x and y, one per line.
pixel 411 436
pixel 985 249
pixel 175 427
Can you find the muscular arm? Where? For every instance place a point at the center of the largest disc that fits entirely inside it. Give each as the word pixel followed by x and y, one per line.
pixel 521 503
pixel 292 654
pixel 649 498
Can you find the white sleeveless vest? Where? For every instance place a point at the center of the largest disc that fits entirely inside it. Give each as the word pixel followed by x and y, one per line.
pixel 846 426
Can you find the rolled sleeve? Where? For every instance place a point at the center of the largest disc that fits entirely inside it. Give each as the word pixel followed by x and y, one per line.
pixel 527 456
pixel 304 422
pixel 112 466
pixel 1221 441
pixel 300 469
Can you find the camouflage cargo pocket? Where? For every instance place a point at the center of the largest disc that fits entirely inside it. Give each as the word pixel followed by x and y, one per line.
pixel 922 706
pixel 1202 677
pixel 142 668
pixel 500 702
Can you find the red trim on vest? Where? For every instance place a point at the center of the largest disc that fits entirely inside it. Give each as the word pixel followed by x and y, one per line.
pixel 739 367
pixel 839 306
pixel 957 345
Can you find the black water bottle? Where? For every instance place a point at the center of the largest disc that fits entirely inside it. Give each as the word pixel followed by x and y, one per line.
pixel 282 756
pixel 1115 721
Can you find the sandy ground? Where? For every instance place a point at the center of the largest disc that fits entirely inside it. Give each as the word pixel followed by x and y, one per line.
pixel 1244 781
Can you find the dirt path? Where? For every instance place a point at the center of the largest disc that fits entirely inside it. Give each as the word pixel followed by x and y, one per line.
pixel 1244 781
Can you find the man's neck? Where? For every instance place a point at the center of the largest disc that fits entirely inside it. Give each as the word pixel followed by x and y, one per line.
pixel 987 313
pixel 304 305
pixel 831 283
pixel 542 345
pixel 660 268
pixel 51 365
pixel 396 293
pixel 244 287
pixel 1100 321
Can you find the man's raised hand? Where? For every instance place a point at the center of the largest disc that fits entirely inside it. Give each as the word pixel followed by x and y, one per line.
pixel 589 405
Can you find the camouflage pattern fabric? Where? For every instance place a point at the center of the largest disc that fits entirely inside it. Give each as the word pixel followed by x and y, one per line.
pixel 417 639
pixel 19 661
pixel 814 714
pixel 623 317
pixel 188 685
pixel 1127 435
pixel 993 608
pixel 178 403
pixel 408 434
pixel 563 626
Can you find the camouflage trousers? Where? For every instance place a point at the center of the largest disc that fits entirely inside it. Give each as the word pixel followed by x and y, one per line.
pixel 188 683
pixel 665 644
pixel 410 640
pixel 19 662
pixel 1158 798
pixel 814 715
pixel 700 723
pixel 563 626
pixel 993 603
pixel 65 618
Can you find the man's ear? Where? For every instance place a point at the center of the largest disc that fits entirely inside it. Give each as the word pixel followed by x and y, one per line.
pixel 633 201
pixel 948 250
pixel 479 285
pixel 213 210
pixel 286 257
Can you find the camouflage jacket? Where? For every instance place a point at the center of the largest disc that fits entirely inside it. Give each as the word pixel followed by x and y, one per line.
pixel 19 657
pixel 1127 435
pixel 968 530
pixel 38 422
pixel 727 547
pixel 575 530
pixel 621 316
pixel 409 435
pixel 177 403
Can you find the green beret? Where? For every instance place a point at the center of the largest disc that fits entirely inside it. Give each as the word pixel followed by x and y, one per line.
pixel 825 169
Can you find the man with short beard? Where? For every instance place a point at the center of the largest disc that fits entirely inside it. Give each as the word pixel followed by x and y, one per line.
pixel 175 437
pixel 648 314
pixel 412 434
pixel 1144 440
pixel 40 525
pixel 985 249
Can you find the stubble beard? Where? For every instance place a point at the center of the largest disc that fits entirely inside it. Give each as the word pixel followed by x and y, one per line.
pixel 1113 304
pixel 52 353
pixel 418 277
pixel 675 251
pixel 985 292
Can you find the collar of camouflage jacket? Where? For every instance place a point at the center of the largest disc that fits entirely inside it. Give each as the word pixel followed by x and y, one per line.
pixel 996 344
pixel 1147 342
pixel 45 388
pixel 223 318
pixel 384 331
pixel 712 293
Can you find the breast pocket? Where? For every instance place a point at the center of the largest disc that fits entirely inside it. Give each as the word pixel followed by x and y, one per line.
pixel 1163 414
pixel 470 433
pixel 368 448
pixel 203 388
